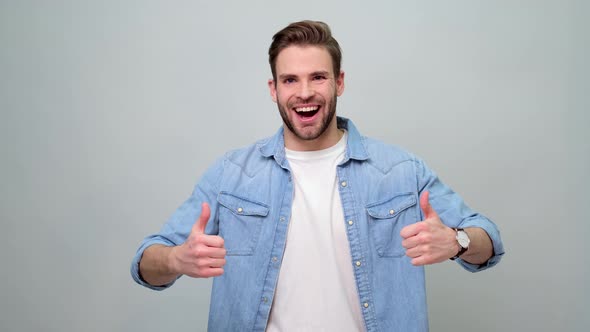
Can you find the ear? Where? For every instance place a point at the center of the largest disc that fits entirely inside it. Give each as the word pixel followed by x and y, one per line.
pixel 340 84
pixel 273 90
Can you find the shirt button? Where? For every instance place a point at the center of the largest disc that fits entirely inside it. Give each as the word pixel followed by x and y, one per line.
pixel 274 259
pixel 240 210
pixel 392 211
pixel 366 304
pixel 343 183
pixel 358 263
pixel 350 222
pixel 264 299
pixel 282 219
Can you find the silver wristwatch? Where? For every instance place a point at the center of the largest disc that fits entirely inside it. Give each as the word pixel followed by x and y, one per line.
pixel 463 240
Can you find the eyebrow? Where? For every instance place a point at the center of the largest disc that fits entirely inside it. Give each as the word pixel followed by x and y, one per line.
pixel 321 72
pixel 315 73
pixel 285 76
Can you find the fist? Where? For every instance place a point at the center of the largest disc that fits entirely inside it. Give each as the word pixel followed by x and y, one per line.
pixel 429 241
pixel 201 255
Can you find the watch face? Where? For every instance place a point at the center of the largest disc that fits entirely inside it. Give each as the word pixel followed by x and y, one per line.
pixel 463 239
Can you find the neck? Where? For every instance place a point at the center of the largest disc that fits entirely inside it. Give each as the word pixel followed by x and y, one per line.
pixel 327 139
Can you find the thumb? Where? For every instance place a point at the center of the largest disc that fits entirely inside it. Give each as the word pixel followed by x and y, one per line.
pixel 201 223
pixel 426 207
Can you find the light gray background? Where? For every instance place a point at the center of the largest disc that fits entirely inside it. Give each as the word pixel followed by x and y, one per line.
pixel 111 110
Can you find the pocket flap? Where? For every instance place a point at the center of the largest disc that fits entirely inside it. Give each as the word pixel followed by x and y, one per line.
pixel 242 206
pixel 392 206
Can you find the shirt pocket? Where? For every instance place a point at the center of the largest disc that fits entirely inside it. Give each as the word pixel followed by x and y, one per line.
pixel 386 220
pixel 240 223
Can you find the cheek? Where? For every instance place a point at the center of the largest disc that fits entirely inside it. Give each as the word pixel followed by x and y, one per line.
pixel 285 100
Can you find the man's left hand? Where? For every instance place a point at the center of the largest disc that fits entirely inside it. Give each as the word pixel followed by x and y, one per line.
pixel 429 241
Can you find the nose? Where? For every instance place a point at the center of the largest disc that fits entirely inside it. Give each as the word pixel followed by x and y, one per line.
pixel 305 90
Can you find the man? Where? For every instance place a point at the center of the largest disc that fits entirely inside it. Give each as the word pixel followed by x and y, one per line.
pixel 316 228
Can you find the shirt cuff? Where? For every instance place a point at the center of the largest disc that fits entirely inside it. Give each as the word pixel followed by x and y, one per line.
pixel 494 235
pixel 135 263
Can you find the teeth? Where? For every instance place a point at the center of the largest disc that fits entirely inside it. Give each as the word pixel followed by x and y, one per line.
pixel 306 109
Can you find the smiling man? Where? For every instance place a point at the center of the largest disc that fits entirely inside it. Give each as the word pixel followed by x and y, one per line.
pixel 316 228
pixel 305 90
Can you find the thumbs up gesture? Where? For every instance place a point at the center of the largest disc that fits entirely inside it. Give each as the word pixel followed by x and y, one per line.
pixel 429 241
pixel 201 255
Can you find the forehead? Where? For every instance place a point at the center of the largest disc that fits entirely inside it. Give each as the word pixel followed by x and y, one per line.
pixel 301 60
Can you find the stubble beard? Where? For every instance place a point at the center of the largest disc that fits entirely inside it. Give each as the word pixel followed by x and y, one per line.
pixel 314 133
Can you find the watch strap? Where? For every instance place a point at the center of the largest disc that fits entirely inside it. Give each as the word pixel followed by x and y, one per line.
pixel 461 252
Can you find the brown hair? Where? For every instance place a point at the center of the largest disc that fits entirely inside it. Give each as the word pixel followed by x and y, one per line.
pixel 313 33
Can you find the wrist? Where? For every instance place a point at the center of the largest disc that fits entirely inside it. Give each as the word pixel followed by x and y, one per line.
pixel 172 261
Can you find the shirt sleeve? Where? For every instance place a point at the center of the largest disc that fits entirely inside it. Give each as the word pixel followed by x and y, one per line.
pixel 453 212
pixel 176 230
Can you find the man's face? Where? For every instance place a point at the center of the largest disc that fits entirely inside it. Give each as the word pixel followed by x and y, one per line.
pixel 305 92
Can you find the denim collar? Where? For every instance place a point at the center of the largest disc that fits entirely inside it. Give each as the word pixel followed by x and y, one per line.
pixel 274 146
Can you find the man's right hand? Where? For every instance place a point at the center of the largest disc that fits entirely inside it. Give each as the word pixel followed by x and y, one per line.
pixel 201 255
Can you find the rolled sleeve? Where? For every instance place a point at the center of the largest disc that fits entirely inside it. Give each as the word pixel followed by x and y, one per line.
pixel 148 241
pixel 490 228
pixel 455 213
pixel 178 227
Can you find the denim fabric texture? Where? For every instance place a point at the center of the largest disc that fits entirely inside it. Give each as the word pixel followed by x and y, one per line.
pixel 250 193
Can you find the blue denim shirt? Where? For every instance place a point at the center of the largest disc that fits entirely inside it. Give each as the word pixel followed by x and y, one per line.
pixel 250 192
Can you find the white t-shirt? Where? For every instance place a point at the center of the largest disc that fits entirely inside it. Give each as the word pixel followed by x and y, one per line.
pixel 316 290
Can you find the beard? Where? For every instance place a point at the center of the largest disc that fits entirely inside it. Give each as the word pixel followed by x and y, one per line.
pixel 309 133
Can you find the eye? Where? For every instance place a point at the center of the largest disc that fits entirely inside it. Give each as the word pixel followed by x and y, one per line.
pixel 289 80
pixel 319 77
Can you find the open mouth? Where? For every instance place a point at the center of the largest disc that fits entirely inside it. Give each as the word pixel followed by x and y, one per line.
pixel 308 112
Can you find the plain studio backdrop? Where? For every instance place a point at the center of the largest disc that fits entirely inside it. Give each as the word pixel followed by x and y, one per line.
pixel 111 111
